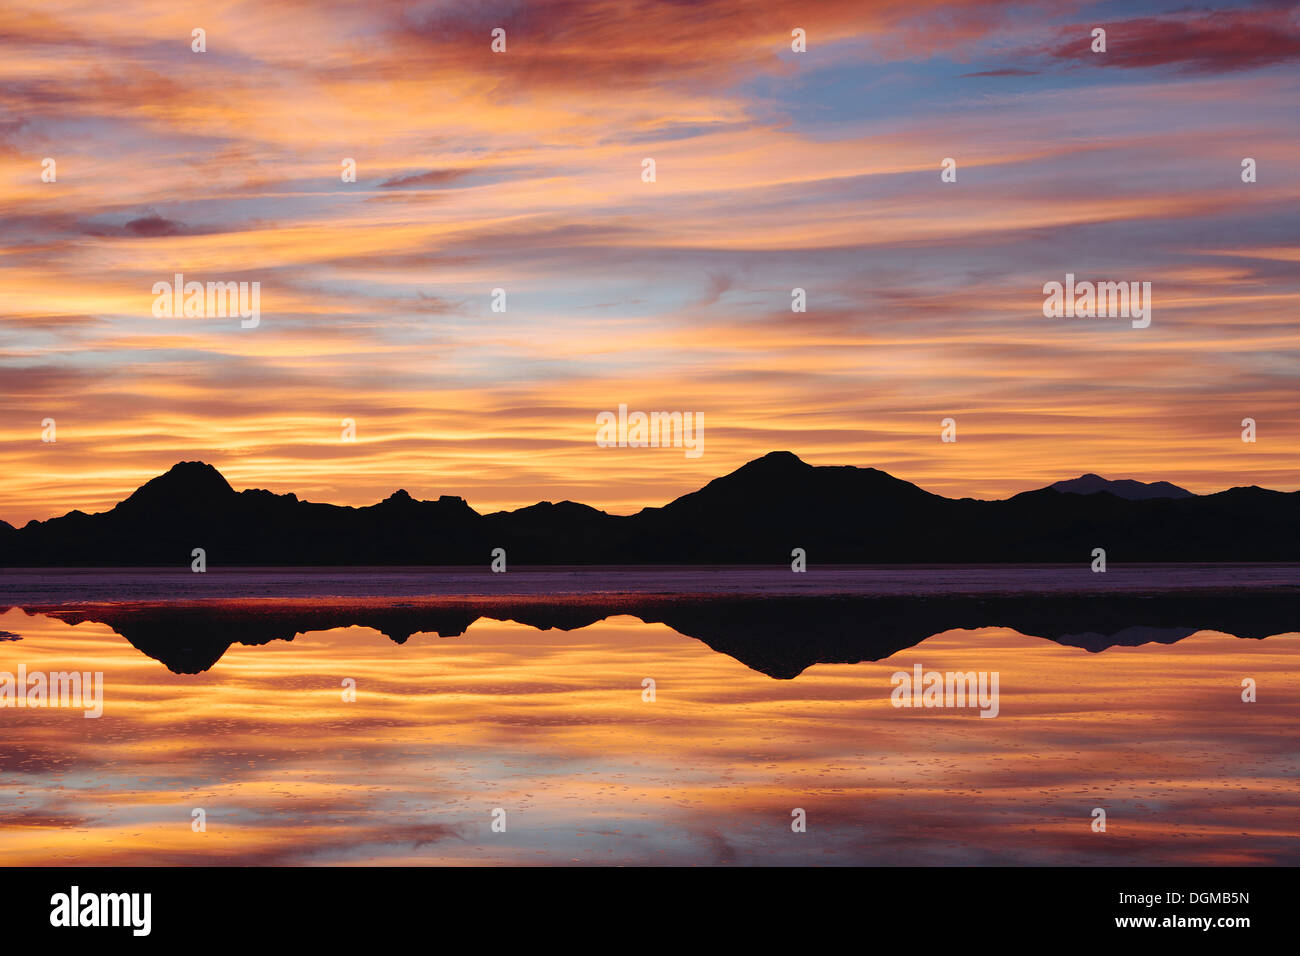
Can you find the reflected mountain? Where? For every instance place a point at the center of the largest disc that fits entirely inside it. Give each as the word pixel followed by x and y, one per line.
pixel 779 637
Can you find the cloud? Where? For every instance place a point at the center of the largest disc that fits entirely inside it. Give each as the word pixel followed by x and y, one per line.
pixel 153 225
pixel 435 177
pixel 522 171
pixel 1209 42
pixel 1004 72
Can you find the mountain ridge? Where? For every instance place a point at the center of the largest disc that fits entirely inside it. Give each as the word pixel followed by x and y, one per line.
pixel 1128 488
pixel 757 514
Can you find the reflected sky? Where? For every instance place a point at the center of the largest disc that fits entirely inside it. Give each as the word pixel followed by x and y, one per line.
pixel 551 727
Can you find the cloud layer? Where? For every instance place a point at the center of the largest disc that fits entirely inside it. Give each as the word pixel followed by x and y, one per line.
pixel 522 171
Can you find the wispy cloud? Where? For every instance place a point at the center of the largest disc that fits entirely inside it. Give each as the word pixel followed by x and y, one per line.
pixel 522 171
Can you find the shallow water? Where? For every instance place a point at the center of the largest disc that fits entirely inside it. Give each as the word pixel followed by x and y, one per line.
pixel 751 720
pixel 19 585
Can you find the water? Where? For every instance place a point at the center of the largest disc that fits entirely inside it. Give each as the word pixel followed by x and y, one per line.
pixel 772 693
pixel 140 584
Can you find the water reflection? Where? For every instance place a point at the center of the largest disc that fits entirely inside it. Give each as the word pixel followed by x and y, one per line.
pixel 247 722
pixel 779 637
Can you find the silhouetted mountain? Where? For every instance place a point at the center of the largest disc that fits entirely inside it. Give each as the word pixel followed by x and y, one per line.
pixel 780 637
pixel 756 515
pixel 1125 488
pixel 186 486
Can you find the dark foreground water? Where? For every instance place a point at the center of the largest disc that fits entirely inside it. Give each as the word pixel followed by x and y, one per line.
pixel 681 716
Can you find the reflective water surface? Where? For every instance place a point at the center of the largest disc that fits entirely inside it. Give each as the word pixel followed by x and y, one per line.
pixel 762 705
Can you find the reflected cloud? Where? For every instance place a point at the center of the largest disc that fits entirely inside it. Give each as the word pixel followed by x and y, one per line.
pixel 550 725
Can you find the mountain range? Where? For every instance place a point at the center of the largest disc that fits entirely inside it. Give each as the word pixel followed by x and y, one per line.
pixel 757 514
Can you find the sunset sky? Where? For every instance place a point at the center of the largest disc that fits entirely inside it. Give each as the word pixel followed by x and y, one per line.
pixel 522 170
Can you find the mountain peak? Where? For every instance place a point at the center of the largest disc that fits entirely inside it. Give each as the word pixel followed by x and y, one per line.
pixel 186 482
pixel 774 462
pixel 1127 488
pixel 193 471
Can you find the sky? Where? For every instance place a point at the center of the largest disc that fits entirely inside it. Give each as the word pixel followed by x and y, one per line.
pixel 523 171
